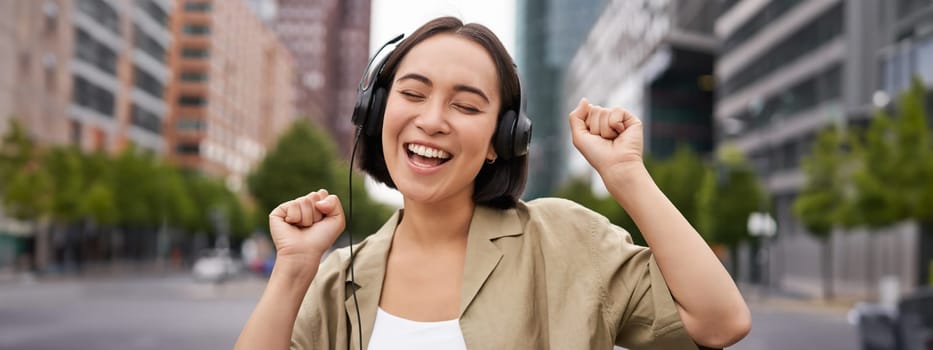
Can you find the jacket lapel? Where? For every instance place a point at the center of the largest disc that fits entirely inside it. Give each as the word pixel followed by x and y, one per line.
pixel 482 255
pixel 369 269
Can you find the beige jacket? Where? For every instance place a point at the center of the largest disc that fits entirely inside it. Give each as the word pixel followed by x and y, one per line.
pixel 549 274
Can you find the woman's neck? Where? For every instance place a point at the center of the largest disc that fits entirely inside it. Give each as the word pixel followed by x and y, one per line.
pixel 429 224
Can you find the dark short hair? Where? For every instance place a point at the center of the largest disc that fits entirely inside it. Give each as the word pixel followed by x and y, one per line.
pixel 499 184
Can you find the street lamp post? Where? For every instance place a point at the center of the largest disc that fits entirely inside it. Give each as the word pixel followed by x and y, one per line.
pixel 761 224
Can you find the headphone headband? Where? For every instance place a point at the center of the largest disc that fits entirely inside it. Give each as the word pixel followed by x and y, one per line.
pixel 513 131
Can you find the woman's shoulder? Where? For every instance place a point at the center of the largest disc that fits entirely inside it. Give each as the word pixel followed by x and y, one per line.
pixel 560 219
pixel 559 210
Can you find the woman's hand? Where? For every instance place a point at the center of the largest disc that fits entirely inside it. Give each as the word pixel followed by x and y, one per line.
pixel 303 229
pixel 609 139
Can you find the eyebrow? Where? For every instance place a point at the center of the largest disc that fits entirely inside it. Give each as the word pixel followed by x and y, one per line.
pixel 458 87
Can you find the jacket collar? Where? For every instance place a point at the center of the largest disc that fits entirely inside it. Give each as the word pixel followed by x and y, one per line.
pixel 482 257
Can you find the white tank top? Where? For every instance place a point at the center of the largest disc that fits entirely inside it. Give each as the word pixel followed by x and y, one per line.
pixel 391 332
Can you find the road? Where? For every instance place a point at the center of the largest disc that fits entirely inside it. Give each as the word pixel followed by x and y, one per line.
pixel 777 325
pixel 136 313
pixel 175 312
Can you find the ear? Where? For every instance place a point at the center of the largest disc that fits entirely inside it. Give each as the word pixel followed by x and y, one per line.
pixel 491 154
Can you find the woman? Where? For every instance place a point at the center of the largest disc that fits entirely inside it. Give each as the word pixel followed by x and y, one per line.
pixel 468 265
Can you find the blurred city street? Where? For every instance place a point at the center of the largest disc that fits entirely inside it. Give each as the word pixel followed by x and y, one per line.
pixel 143 144
pixel 159 312
pixel 175 312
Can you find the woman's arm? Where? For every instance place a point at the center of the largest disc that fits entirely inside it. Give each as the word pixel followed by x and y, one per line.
pixel 710 305
pixel 270 326
pixel 302 229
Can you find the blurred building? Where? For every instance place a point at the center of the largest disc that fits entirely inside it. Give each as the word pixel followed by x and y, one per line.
pixel 659 66
pixel 232 92
pixel 90 73
pixel 548 34
pixel 86 72
pixel 907 48
pixel 330 42
pixel 789 69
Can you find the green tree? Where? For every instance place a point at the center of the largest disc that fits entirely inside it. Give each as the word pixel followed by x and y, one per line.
pixel 24 184
pixel 822 203
pixel 725 200
pixel 17 150
pixel 301 162
pixel 64 164
pixel 368 215
pixel 895 164
pixel 132 178
pixel 305 160
pixel 680 177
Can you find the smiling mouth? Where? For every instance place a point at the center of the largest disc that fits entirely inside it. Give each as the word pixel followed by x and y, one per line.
pixel 426 157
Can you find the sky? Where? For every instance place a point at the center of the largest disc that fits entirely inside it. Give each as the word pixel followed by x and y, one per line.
pixel 393 17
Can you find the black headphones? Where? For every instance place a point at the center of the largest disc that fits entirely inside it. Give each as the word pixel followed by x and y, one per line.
pixel 513 133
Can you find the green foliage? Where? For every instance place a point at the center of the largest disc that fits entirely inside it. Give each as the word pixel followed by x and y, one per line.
pixel 726 198
pixel 27 195
pixel 68 190
pixel 24 184
pixel 305 160
pixel 821 204
pixel 896 165
pixel 679 178
pixel 17 149
pixel 915 155
pixel 368 215
pixel 300 163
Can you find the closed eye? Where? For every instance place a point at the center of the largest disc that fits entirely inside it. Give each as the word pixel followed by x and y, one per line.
pixel 467 109
pixel 411 95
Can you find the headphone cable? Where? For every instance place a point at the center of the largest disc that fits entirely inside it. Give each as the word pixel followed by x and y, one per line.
pixel 356 302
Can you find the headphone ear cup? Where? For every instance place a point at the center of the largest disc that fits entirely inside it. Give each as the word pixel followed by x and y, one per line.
pixel 522 136
pixel 377 110
pixel 503 139
pixel 361 110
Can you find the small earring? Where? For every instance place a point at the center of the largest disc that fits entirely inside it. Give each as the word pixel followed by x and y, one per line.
pixel 490 161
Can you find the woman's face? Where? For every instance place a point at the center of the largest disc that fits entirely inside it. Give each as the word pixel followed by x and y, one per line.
pixel 440 115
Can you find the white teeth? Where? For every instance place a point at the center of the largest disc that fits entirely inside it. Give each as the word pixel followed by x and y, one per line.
pixel 427 152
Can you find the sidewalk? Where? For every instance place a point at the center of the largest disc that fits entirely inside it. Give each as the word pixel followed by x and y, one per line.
pixel 103 271
pixel 773 299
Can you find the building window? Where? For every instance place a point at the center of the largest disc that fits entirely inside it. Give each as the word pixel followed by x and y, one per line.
pixel 145 119
pixel 155 11
pixel 194 53
pixel 805 40
pixel 760 20
pixel 50 10
pixel 102 12
pixel 191 101
pixel 925 61
pixel 94 52
pixel 193 76
pixel 196 29
pixel 148 83
pixel 88 95
pixel 188 148
pixel 825 86
pixel 190 124
pixel 148 44
pixel 197 6
pixel 49 65
pixel 75 133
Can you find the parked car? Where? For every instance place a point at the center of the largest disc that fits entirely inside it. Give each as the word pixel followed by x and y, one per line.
pixel 215 265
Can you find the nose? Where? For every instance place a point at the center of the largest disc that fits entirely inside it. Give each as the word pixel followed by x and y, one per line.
pixel 432 119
